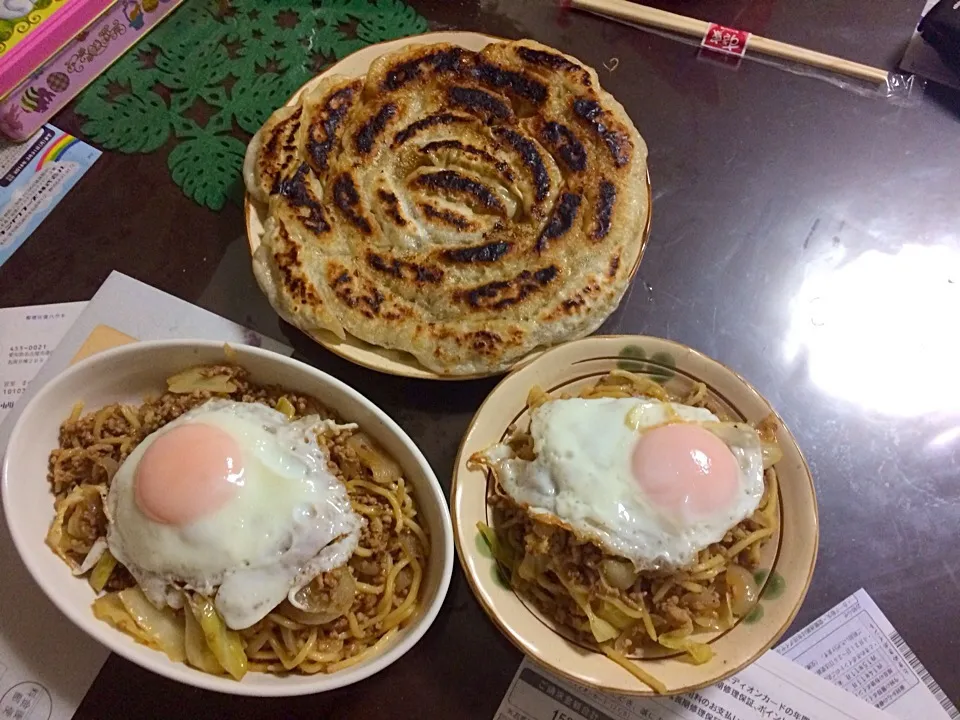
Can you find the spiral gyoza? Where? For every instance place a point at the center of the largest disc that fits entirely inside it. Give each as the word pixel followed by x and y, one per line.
pixel 465 207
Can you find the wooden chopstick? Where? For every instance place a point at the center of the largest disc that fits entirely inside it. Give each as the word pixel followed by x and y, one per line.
pixel 644 15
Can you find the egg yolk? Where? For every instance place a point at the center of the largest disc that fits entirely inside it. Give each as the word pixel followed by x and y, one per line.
pixel 187 473
pixel 685 470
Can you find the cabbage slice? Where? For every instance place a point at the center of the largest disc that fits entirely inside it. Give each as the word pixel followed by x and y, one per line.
pixel 680 640
pixel 199 653
pixel 164 627
pixel 130 612
pixel 225 644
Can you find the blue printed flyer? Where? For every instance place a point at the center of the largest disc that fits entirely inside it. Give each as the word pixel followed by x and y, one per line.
pixel 34 176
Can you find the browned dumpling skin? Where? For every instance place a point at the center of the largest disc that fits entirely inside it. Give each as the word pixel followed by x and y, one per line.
pixel 464 207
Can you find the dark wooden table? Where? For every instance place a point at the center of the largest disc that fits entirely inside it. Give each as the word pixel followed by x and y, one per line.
pixel 803 234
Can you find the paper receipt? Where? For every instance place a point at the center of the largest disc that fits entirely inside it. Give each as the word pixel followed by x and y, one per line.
pixel 859 669
pixel 855 647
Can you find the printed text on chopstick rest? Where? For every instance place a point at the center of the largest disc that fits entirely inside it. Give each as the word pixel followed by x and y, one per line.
pixel 725 40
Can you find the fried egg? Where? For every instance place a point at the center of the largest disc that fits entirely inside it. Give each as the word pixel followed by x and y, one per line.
pixel 650 481
pixel 231 500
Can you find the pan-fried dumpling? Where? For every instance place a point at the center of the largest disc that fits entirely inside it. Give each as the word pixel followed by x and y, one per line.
pixel 463 207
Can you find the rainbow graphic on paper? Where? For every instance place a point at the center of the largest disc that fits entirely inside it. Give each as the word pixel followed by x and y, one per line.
pixel 57 149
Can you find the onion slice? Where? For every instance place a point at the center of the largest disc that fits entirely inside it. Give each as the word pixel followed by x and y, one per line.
pixel 743 590
pixel 322 604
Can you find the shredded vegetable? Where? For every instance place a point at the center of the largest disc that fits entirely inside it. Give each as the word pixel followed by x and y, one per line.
pixel 286 407
pixel 323 606
pixel 199 653
pixel 194 379
pixel 601 629
pixel 225 644
pixel 699 652
pixel 87 500
pixel 634 669
pixel 102 571
pixel 163 627
pixel 109 609
pixel 501 552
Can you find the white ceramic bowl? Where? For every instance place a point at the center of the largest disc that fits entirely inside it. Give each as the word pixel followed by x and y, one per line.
pixel 127 374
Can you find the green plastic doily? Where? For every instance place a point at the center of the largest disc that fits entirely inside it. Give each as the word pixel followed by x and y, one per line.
pixel 212 73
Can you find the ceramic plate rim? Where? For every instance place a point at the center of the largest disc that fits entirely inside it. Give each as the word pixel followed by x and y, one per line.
pixel 155 661
pixel 467 557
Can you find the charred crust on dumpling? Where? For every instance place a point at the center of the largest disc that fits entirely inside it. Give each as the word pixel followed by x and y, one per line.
pixel 347 199
pixel 562 141
pixel 447 60
pixel 369 132
pixel 455 183
pixel 286 257
pixel 430 121
pixel 484 341
pixel 504 293
pixel 279 146
pixel 553 61
pixel 514 82
pixel 480 342
pixel 403 270
pixel 487 253
pixel 352 292
pixel 605 201
pixel 614 266
pixel 325 129
pixel 443 216
pixel 573 305
pixel 616 139
pixel 391 205
pixel 561 220
pixel 479 102
pixel 531 158
pixel 308 207
pixel 473 150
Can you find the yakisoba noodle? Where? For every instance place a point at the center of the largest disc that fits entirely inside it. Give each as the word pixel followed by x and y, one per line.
pixel 578 584
pixel 359 607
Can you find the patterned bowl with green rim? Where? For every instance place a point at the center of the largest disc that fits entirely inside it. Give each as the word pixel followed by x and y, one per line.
pixel 787 559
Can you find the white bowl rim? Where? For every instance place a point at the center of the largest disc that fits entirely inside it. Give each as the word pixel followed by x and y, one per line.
pixel 154 660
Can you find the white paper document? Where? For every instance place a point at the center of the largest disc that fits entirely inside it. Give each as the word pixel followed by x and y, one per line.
pixel 772 688
pixel 46 663
pixel 855 646
pixel 27 337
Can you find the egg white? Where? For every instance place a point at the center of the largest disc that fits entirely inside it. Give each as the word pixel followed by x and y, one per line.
pixel 289 521
pixel 582 476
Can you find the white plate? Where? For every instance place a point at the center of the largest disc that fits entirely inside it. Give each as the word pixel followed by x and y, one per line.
pixel 127 374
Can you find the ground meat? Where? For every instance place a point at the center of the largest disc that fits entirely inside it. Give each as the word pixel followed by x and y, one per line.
pixel 374 536
pixel 363 566
pixel 120 579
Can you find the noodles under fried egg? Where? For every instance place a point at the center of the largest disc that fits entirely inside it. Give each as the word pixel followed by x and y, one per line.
pixel 353 611
pixel 603 599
